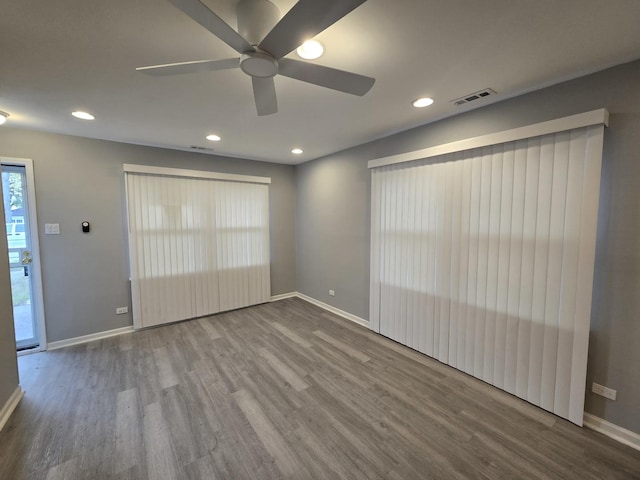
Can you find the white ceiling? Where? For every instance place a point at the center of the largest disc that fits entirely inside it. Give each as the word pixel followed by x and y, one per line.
pixel 64 55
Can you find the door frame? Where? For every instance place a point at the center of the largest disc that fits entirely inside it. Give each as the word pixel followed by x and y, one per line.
pixel 36 274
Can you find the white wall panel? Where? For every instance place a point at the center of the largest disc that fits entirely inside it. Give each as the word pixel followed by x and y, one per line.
pixel 484 258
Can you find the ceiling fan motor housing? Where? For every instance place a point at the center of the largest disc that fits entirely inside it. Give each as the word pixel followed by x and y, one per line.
pixel 259 64
pixel 256 18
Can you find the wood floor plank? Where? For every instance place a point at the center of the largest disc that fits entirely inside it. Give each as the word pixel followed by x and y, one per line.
pixel 128 430
pixel 283 390
pixel 208 326
pixel 161 461
pixel 191 435
pixel 238 453
pixel 268 434
pixel 294 337
pixel 166 372
pixel 340 345
pixel 64 471
pixel 284 370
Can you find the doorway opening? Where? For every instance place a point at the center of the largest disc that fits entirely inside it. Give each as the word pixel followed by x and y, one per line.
pixel 22 239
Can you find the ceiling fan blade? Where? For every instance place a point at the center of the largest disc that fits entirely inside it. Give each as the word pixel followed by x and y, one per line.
pixel 199 12
pixel 305 20
pixel 264 93
pixel 332 78
pixel 190 67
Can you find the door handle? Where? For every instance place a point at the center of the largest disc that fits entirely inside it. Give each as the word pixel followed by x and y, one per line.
pixel 26 257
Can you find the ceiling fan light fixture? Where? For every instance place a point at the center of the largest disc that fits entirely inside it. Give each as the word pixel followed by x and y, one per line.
pixel 297 151
pixel 310 50
pixel 213 137
pixel 3 117
pixel 83 115
pixel 423 102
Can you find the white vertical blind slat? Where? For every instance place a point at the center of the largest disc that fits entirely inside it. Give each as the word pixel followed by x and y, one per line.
pixel 385 226
pixel 400 290
pixel 570 260
pixel 483 262
pixel 464 264
pixel 541 262
pixel 456 209
pixel 437 273
pixel 590 196
pixel 472 279
pixel 420 279
pixel 528 263
pixel 444 292
pixel 376 254
pixel 554 272
pixel 483 259
pixel 504 265
pixel 493 264
pixel 412 241
pixel 515 266
pixel 426 279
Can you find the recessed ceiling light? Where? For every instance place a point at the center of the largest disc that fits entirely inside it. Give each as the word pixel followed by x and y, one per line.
pixel 83 115
pixel 297 151
pixel 422 102
pixel 213 138
pixel 3 117
pixel 310 50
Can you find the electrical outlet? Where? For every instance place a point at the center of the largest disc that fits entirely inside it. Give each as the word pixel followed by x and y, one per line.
pixel 122 310
pixel 332 293
pixel 609 393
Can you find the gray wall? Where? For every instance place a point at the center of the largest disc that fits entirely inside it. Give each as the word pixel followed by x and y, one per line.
pixel 8 359
pixel 85 275
pixel 333 211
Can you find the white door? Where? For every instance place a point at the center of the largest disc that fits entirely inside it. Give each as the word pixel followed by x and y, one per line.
pixel 22 240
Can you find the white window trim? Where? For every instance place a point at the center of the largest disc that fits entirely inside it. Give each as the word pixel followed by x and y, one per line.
pixel 181 172
pixel 594 117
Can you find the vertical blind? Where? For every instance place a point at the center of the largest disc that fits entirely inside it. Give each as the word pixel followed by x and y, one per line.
pixel 197 246
pixel 483 259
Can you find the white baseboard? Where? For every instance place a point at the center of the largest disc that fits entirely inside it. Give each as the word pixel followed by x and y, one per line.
pixel 88 338
pixel 622 435
pixel 332 309
pixel 10 405
pixel 282 296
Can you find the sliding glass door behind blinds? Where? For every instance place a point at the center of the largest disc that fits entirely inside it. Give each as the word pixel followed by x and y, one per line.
pixel 484 260
pixel 197 246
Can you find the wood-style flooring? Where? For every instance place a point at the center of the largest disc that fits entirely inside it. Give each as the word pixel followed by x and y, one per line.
pixel 281 390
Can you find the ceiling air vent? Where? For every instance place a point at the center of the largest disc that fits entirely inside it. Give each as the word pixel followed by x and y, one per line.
pixel 472 97
pixel 201 149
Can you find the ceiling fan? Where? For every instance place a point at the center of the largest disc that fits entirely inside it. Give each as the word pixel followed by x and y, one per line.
pixel 262 46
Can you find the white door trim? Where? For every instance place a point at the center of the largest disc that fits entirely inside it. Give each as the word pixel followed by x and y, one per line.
pixel 36 274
